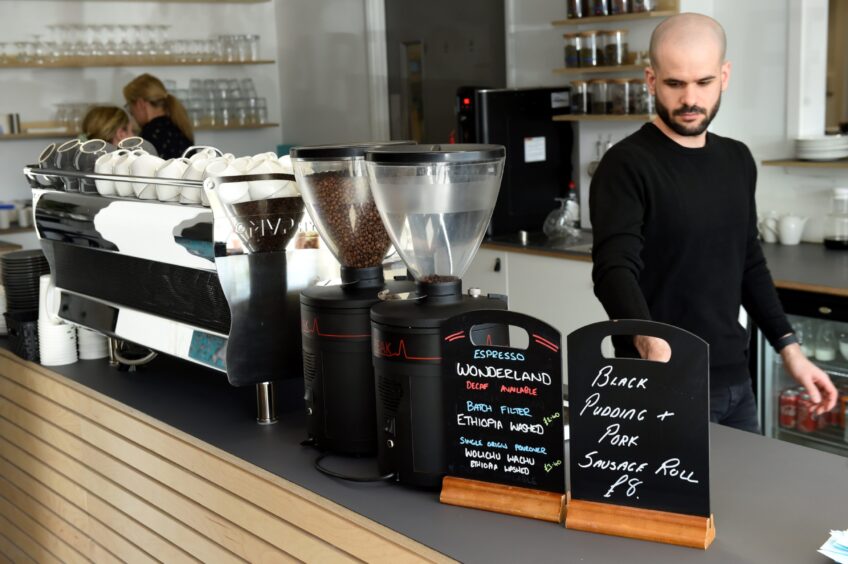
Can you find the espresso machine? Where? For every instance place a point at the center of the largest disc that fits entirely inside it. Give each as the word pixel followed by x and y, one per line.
pixel 335 324
pixel 212 285
pixel 435 201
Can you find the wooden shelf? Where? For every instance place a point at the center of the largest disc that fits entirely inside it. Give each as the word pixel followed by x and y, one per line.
pixel 605 117
pixel 598 70
pixel 78 64
pixel 616 18
pixel 840 163
pixel 61 135
pixel 16 229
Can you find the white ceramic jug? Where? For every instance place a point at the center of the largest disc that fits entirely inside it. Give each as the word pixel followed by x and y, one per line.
pixel 790 228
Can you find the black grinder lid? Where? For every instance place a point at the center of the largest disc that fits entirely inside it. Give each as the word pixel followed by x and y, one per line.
pixel 447 153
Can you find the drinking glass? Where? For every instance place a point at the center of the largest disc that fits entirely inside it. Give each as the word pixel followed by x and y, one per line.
pixel 826 342
pixel 3 53
pixel 843 345
pixel 253 47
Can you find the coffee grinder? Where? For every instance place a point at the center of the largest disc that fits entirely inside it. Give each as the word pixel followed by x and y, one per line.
pixel 335 324
pixel 436 201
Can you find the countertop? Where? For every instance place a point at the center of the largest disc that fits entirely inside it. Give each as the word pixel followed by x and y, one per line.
pixel 773 501
pixel 808 267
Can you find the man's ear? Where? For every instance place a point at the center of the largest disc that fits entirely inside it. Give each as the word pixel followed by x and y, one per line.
pixel 651 80
pixel 725 75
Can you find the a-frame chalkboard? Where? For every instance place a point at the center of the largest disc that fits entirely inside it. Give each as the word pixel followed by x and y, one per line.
pixel 639 435
pixel 503 414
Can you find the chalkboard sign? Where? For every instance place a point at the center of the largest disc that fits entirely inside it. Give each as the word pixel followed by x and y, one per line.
pixel 639 429
pixel 504 405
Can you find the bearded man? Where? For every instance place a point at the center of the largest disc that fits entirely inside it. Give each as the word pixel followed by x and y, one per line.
pixel 675 227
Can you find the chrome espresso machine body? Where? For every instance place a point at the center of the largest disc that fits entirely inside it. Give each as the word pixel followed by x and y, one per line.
pixel 212 285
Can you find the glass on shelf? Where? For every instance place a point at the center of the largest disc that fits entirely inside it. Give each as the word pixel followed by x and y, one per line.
pixel 642 5
pixel 825 350
pixel 639 97
pixel 599 7
pixel 615 47
pixel 618 92
pixel 617 7
pixel 598 93
pixel 575 9
pixel 572 50
pixel 589 50
pixel 580 97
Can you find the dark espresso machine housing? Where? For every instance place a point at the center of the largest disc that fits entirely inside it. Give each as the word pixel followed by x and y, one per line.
pixel 538 149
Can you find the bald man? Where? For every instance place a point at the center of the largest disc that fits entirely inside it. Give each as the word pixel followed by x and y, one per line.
pixel 674 227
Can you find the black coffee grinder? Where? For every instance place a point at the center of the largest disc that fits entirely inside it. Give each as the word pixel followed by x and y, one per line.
pixel 335 324
pixel 436 201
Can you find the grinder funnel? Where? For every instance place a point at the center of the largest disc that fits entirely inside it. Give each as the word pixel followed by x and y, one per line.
pixel 436 202
pixel 334 185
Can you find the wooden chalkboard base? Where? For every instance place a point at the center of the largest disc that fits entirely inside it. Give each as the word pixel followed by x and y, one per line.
pixel 644 524
pixel 511 500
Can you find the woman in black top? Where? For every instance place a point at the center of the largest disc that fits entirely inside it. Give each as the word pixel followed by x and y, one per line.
pixel 163 119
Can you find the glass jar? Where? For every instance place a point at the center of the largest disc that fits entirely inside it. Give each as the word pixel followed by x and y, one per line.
pixel 615 47
pixel 642 5
pixel 599 7
pixel 826 345
pixel 581 101
pixel 598 94
pixel 836 223
pixel 617 7
pixel 575 9
pixel 589 52
pixel 638 101
pixel 572 50
pixel 618 91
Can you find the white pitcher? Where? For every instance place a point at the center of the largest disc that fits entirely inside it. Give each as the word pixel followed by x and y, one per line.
pixel 790 228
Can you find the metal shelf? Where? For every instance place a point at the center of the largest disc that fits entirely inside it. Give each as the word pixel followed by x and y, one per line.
pixel 831 437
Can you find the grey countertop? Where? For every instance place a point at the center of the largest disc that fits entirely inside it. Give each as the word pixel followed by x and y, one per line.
pixel 808 266
pixel 773 501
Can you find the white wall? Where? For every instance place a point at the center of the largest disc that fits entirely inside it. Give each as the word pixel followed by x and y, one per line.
pixel 323 53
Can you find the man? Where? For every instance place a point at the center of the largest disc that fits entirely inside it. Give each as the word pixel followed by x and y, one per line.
pixel 674 227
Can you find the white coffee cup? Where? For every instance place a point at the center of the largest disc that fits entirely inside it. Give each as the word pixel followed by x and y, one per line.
pixel 790 228
pixel 229 192
pixel 194 171
pixel 145 165
pixel 267 189
pixel 122 168
pixel 105 164
pixel 137 143
pixel 173 168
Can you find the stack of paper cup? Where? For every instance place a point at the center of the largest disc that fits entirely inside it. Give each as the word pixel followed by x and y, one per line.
pixel 3 329
pixel 57 340
pixel 91 344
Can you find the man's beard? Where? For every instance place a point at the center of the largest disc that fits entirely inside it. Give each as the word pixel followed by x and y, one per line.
pixel 680 129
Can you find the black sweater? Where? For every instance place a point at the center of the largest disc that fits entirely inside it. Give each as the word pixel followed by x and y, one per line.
pixel 169 140
pixel 675 240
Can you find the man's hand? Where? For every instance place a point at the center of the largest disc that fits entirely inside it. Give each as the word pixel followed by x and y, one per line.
pixel 652 348
pixel 817 383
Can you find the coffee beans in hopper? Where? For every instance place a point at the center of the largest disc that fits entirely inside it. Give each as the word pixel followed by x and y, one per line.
pixel 343 205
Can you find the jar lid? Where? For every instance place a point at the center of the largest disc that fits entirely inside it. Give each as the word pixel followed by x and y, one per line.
pixel 619 81
pixel 598 80
pixel 588 33
pixel 570 35
pixel 637 81
pixel 578 82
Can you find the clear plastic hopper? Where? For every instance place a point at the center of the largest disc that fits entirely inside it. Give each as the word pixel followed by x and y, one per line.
pixel 436 202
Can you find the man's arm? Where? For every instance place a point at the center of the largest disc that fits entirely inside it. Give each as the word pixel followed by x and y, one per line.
pixel 760 299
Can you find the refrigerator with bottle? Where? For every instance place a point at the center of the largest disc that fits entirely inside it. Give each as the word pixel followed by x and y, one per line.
pixel 821 323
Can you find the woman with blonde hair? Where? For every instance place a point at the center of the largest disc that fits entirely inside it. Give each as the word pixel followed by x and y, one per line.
pixel 109 123
pixel 163 119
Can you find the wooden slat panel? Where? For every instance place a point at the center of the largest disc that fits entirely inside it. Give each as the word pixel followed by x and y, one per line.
pixel 123 525
pixel 61 529
pixel 337 525
pixel 86 523
pixel 149 515
pixel 41 535
pixel 122 463
pixel 26 543
pixel 10 552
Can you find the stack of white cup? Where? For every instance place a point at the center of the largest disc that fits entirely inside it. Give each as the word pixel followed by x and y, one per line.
pixel 57 340
pixel 91 344
pixel 3 329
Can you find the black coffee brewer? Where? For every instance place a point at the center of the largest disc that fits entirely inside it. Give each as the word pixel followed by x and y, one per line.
pixel 335 323
pixel 436 201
